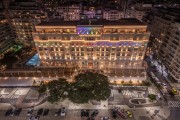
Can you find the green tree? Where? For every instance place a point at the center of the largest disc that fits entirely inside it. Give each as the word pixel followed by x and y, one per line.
pixel 146 83
pixel 57 88
pixel 152 97
pixel 89 86
pixel 159 86
pixel 42 88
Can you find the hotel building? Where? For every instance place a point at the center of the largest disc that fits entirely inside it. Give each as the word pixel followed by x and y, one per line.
pixel 93 44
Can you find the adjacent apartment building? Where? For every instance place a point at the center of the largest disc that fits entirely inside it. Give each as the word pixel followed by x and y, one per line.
pixel 68 12
pixel 92 43
pixel 24 15
pixel 163 23
pixel 138 10
pixel 169 52
pixel 6 36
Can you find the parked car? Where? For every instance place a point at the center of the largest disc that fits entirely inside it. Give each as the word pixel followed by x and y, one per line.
pixel 105 118
pixel 31 117
pixel 46 111
pixel 40 111
pixel 17 111
pixel 114 113
pixel 12 112
pixel 95 113
pixel 84 113
pixel 63 111
pixel 36 118
pixel 156 79
pixel 8 112
pixel 152 75
pixel 129 113
pixel 175 91
pixel 57 112
pixel 91 118
pixel 30 111
pixel 87 113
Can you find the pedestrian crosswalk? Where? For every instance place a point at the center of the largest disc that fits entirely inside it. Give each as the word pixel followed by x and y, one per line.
pixel 131 94
pixel 174 103
pixel 127 92
pixel 14 96
pixel 13 93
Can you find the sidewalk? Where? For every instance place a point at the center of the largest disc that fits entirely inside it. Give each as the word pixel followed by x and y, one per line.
pixel 23 81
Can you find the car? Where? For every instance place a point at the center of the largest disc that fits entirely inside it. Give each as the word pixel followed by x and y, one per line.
pixel 152 74
pixel 40 111
pixel 158 82
pixel 90 118
pixel 63 111
pixel 57 112
pixel 46 111
pixel 171 93
pixel 87 113
pixel 82 113
pixel 36 118
pixel 30 111
pixel 17 111
pixel 175 91
pixel 159 96
pixel 105 118
pixel 12 112
pixel 164 85
pixel 31 117
pixel 8 112
pixel 114 113
pixel 95 113
pixel 129 113
pixel 156 79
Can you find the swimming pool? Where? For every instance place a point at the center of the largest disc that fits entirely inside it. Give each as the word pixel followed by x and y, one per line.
pixel 34 61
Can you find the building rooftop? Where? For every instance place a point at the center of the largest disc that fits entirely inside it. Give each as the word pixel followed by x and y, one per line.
pixel 95 22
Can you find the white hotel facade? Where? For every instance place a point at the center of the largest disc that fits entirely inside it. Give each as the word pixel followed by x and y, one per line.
pixel 92 44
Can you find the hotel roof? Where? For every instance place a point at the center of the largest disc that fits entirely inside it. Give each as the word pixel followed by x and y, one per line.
pixel 93 22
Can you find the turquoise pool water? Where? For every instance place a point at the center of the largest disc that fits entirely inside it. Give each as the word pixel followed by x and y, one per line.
pixel 34 61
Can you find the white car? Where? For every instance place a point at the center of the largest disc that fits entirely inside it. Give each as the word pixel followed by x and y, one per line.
pixel 29 112
pixel 105 118
pixel 157 80
pixel 159 96
pixel 63 111
pixel 164 85
pixel 12 113
pixel 152 74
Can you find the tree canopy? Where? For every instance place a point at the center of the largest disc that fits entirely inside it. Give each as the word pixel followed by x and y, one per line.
pixel 87 86
pixel 57 89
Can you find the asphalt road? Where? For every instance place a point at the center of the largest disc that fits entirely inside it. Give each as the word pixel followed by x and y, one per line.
pixel 175 114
